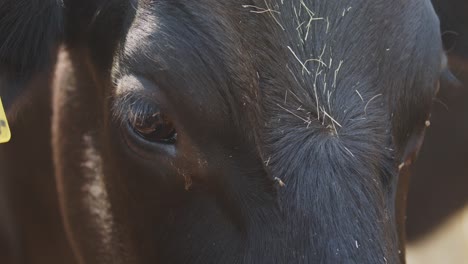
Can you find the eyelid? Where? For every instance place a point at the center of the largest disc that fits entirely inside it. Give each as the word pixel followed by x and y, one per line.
pixel 137 95
pixel 135 105
pixel 141 111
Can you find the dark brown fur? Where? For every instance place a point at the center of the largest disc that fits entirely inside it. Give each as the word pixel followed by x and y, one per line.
pixel 307 178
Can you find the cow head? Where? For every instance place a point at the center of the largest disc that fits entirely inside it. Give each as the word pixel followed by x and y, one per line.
pixel 240 131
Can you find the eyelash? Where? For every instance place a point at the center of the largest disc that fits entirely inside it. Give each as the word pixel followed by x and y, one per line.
pixel 141 111
pixel 130 107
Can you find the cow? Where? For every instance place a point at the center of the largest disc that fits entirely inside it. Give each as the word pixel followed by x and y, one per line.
pixel 251 131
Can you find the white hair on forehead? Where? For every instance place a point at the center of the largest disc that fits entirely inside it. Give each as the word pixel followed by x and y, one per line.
pixel 311 57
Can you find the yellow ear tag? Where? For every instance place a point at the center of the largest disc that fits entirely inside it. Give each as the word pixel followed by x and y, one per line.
pixel 5 134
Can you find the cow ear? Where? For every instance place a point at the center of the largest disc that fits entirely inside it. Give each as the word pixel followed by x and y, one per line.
pixel 30 33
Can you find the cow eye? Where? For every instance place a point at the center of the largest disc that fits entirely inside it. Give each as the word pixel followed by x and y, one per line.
pixel 155 127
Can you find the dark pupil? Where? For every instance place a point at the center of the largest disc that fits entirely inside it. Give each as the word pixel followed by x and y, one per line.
pixel 155 127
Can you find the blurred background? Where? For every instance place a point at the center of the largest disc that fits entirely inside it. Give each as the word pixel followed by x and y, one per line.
pixel 437 224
